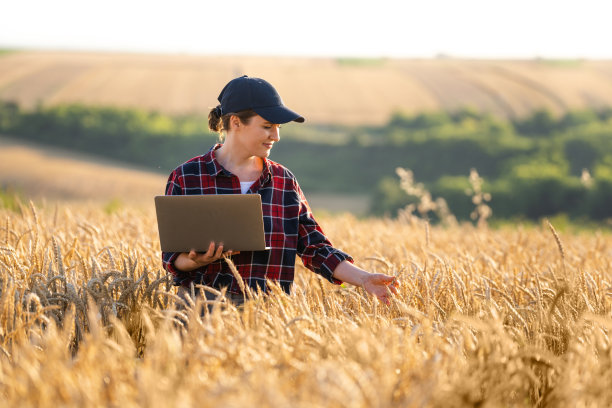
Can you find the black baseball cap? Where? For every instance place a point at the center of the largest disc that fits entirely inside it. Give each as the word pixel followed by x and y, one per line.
pixel 244 93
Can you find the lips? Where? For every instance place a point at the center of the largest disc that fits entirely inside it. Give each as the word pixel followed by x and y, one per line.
pixel 268 145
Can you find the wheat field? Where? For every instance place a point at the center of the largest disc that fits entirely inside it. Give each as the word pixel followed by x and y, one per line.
pixel 324 90
pixel 507 317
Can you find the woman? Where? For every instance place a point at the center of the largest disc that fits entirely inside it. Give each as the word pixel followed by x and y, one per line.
pixel 249 114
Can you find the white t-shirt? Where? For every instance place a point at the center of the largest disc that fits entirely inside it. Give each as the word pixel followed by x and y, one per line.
pixel 245 185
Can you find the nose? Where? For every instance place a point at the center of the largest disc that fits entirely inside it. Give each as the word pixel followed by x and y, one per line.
pixel 275 133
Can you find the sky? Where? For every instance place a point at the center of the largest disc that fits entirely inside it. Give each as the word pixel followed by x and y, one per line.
pixel 557 29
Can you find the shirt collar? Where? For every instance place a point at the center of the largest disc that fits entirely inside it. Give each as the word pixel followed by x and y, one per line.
pixel 266 174
pixel 215 168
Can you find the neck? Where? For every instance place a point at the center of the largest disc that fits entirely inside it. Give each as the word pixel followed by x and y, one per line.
pixel 237 162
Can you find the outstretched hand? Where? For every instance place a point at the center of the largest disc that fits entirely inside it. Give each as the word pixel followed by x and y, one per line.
pixel 380 285
pixel 377 284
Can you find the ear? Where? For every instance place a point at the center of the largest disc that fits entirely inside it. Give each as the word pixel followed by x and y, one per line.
pixel 234 121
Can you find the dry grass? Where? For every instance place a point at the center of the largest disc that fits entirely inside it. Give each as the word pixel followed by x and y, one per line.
pixel 513 317
pixel 323 89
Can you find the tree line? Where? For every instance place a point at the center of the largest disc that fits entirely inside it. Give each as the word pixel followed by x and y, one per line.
pixel 536 166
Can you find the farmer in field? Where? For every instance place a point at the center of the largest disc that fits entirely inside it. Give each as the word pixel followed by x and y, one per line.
pixel 249 116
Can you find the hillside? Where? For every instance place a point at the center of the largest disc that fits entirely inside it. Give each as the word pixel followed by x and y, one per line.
pixel 55 174
pixel 44 173
pixel 325 90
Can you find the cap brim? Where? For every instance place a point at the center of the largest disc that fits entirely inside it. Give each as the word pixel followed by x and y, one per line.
pixel 279 114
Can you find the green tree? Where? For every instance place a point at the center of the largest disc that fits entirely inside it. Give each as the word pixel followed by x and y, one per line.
pixel 540 123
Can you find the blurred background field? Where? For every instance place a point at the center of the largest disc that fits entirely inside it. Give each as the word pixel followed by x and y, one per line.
pixel 32 172
pixel 348 91
pixel 537 131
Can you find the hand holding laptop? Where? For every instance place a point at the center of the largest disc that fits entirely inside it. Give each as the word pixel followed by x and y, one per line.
pixel 193 259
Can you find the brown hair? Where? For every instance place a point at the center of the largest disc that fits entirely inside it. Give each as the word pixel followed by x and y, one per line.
pixel 218 123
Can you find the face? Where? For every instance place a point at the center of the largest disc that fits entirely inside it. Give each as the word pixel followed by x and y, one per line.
pixel 257 137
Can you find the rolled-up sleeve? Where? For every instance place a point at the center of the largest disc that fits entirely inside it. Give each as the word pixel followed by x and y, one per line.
pixel 315 250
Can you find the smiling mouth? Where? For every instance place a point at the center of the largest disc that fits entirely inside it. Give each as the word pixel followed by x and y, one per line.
pixel 268 145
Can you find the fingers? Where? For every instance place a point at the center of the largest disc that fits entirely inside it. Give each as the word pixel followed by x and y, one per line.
pixel 383 287
pixel 211 250
pixel 390 281
pixel 383 279
pixel 394 286
pixel 213 253
pixel 388 278
pixel 229 253
pixel 192 254
pixel 219 252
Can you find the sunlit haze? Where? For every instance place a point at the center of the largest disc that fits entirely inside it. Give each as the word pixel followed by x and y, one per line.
pixel 384 28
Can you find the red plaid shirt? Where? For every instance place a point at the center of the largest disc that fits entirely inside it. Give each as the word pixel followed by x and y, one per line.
pixel 290 228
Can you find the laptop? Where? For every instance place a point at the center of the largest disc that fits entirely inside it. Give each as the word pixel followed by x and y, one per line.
pixel 192 221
